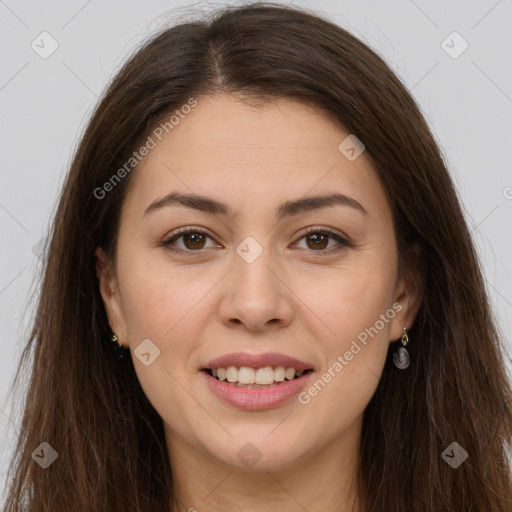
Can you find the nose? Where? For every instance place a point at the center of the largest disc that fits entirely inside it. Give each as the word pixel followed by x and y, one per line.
pixel 256 295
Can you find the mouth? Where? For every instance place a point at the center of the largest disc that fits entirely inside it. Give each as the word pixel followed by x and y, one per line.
pixel 256 378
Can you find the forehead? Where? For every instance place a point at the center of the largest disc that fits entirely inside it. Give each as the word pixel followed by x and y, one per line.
pixel 255 156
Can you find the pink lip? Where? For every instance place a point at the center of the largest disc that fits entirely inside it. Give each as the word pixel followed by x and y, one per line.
pixel 256 398
pixel 257 361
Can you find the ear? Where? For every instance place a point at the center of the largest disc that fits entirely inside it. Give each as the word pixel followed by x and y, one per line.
pixel 408 294
pixel 109 290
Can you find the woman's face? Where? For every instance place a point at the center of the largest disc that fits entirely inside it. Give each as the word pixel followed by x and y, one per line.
pixel 250 288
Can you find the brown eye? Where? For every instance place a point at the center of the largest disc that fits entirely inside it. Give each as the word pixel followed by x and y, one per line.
pixel 317 240
pixel 193 240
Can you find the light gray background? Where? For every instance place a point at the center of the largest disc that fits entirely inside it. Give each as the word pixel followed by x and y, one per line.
pixel 45 103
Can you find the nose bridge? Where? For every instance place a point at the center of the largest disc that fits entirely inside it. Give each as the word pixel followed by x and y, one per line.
pixel 256 293
pixel 251 266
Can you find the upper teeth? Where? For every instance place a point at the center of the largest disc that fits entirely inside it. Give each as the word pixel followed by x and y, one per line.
pixel 247 375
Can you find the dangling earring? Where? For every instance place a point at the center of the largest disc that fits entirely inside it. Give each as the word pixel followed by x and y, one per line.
pixel 119 351
pixel 401 356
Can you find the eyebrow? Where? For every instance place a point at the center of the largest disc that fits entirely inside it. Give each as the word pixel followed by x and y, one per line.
pixel 286 209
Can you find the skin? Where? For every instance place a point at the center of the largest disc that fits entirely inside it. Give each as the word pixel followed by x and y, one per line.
pixel 290 300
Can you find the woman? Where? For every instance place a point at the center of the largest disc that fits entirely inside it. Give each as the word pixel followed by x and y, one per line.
pixel 260 223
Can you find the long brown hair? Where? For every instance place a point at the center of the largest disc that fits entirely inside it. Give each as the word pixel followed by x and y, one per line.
pixel 91 409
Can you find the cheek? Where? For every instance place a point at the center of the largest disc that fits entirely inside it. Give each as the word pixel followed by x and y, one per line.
pixel 357 298
pixel 157 299
pixel 358 310
pixel 158 305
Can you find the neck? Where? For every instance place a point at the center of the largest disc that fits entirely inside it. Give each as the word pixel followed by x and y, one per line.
pixel 324 480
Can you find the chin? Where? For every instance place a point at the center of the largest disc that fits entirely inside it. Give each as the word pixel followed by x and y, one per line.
pixel 257 454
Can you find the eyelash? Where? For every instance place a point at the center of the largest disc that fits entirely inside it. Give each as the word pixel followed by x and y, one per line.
pixel 309 231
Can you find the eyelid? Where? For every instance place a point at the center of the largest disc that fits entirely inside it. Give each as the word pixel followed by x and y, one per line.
pixel 343 241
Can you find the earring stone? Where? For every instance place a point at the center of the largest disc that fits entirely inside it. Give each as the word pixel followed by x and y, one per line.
pixel 401 357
